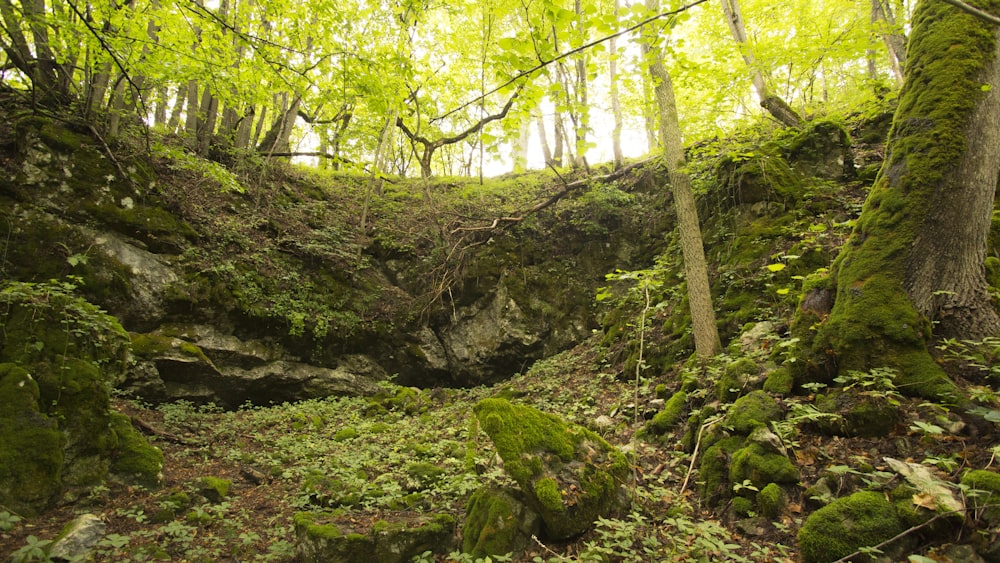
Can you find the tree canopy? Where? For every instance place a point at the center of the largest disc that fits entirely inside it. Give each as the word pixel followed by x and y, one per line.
pixel 377 84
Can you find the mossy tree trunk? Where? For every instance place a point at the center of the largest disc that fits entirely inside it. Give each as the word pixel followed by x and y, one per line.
pixel 914 266
pixel 706 334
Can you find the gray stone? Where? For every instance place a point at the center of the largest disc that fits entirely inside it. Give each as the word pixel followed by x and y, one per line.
pixel 78 538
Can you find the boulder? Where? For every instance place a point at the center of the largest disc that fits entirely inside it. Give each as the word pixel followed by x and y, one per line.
pixel 864 519
pixel 568 474
pixel 319 538
pixel 497 522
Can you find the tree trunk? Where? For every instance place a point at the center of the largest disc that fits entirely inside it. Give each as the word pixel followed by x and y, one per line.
pixel 773 104
pixel 542 139
pixel 706 334
pixel 616 107
pixel 894 41
pixel 914 266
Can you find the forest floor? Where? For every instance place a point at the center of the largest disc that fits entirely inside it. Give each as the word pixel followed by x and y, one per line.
pixel 404 451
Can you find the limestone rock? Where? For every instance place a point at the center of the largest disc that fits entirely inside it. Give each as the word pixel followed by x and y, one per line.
pixel 203 365
pixel 77 538
pixel 568 474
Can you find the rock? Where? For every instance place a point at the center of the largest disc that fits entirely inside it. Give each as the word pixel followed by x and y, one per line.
pixel 203 365
pixel 78 538
pixel 319 539
pixel 568 474
pixel 752 411
pixel 497 523
pixel 214 489
pixel 149 279
pixel 492 330
pixel 865 518
pixel 59 356
pixel 759 337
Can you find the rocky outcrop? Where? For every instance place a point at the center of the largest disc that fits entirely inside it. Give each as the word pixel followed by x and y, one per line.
pixel 233 298
pixel 59 356
pixel 197 363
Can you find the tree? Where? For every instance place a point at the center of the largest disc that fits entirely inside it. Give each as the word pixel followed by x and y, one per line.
pixel 706 334
pixel 913 268
pixel 774 105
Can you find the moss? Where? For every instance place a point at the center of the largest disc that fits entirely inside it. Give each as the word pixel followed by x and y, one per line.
pixel 753 410
pixel 660 392
pixel 742 507
pixel 761 467
pixel 534 431
pixel 586 472
pixel 714 469
pixel 863 519
pixel 426 474
pixel 28 483
pixel 779 381
pixel 134 458
pixel 771 501
pixel 672 412
pixel 345 434
pixel 988 485
pixel 547 492
pixel 496 523
pixel 736 378
pixel 149 346
pixel 213 488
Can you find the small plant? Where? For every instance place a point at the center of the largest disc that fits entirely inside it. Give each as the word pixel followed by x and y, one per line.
pixel 34 550
pixel 8 521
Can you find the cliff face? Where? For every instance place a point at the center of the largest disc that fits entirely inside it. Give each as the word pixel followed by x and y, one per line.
pixel 260 283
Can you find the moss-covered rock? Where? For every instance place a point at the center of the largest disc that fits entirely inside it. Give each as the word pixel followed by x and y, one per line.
pixel 863 519
pixel 320 539
pixel 779 381
pixel 213 488
pixel 737 378
pixel 771 501
pixel 714 469
pixel 569 474
pixel 672 412
pixel 31 454
pixel 858 414
pixel 497 523
pixel 752 411
pixel 986 485
pixel 761 467
pixel 58 419
pixel 134 459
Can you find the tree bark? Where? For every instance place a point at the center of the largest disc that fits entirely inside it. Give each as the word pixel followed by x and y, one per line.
pixel 706 334
pixel 914 265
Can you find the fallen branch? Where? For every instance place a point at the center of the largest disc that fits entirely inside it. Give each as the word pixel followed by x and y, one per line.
pixel 566 189
pixel 150 429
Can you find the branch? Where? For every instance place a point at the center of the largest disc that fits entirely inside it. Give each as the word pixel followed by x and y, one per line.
pixel 460 136
pixel 567 188
pixel 572 52
pixel 974 11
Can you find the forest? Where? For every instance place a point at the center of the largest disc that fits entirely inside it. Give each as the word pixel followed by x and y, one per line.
pixel 497 280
